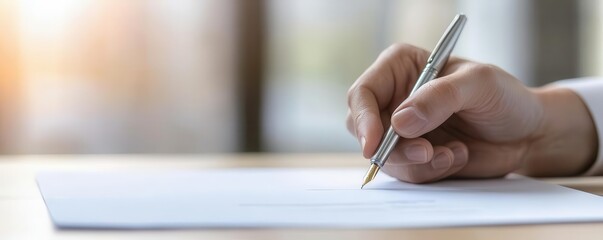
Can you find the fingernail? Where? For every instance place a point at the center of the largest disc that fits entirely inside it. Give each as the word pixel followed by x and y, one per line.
pixel 416 152
pixel 441 161
pixel 458 154
pixel 408 121
pixel 362 142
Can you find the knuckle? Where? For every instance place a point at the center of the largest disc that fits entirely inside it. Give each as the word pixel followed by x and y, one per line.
pixel 360 115
pixel 352 93
pixel 349 122
pixel 397 49
pixel 358 97
pixel 486 76
pixel 486 72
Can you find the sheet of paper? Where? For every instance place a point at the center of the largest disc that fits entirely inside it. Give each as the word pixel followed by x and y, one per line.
pixel 233 198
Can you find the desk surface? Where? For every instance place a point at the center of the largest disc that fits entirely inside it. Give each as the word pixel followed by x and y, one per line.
pixel 24 216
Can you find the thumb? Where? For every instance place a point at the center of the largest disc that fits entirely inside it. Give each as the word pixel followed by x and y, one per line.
pixel 437 100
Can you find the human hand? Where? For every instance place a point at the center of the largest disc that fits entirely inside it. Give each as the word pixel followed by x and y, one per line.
pixel 475 120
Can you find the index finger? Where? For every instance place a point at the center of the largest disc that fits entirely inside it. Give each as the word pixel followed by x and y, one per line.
pixel 382 87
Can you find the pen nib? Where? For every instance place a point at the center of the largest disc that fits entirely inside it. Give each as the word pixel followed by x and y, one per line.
pixel 370 175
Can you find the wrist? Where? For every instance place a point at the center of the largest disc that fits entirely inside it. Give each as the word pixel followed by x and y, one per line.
pixel 565 144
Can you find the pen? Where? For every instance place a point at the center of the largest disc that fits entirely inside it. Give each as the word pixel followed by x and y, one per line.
pixel 435 63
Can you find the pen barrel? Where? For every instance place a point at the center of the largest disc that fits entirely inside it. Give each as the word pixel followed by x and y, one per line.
pixel 385 148
pixel 435 62
pixel 429 73
pixel 390 139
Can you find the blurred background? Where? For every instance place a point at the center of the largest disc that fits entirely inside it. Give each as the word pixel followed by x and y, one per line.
pixel 206 76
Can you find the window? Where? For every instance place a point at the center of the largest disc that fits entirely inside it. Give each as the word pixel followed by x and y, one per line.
pixel 188 76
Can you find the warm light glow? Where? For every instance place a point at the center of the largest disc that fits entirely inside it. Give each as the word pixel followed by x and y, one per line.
pixel 42 18
pixel 107 76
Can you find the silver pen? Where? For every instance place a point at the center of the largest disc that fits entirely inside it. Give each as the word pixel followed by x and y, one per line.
pixel 435 63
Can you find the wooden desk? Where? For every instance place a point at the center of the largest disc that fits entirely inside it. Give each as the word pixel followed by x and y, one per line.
pixel 23 214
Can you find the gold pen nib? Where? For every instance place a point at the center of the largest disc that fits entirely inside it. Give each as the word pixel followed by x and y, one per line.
pixel 370 175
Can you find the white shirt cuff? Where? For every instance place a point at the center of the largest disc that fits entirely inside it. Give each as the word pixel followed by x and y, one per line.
pixel 591 91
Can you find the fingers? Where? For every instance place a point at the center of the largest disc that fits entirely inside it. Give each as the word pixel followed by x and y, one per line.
pixel 380 89
pixel 364 120
pixel 443 162
pixel 437 100
pixel 460 161
pixel 491 162
pixel 411 151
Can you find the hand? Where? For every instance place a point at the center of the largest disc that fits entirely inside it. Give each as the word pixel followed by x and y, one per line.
pixel 475 120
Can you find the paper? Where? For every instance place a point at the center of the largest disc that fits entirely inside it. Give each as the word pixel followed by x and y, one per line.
pixel 235 198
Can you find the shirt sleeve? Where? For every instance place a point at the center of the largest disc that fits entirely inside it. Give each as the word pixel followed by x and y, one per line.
pixel 591 92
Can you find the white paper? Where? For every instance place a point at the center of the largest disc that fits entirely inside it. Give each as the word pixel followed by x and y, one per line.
pixel 325 198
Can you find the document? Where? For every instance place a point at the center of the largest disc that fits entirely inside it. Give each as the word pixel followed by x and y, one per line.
pixel 301 198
